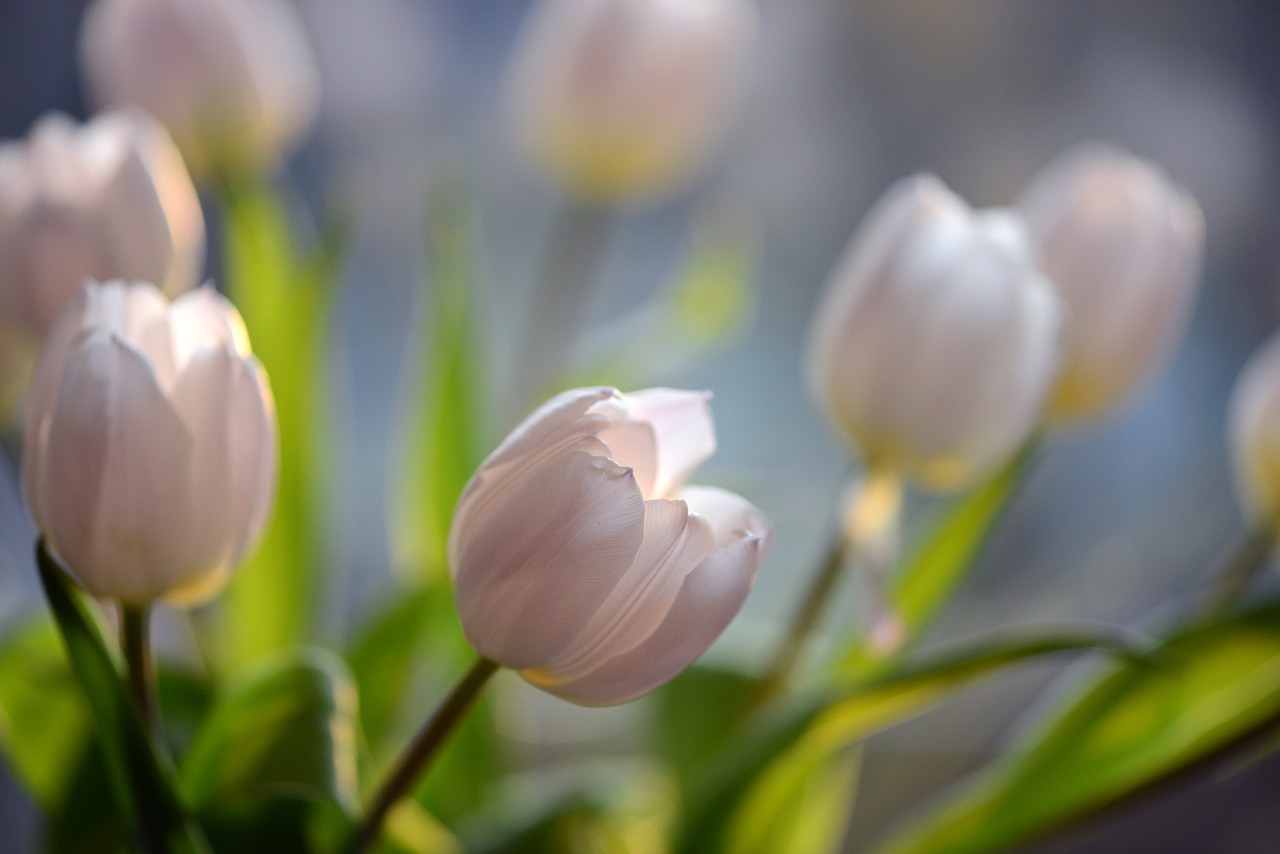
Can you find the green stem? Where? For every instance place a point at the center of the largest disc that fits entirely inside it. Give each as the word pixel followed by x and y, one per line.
pixel 417 757
pixel 1238 569
pixel 135 645
pixel 567 273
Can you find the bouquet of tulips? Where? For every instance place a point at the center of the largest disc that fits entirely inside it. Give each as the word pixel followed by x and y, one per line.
pixel 172 441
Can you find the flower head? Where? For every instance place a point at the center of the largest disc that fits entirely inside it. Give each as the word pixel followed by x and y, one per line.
pixel 622 98
pixel 937 339
pixel 235 81
pixel 149 457
pixel 581 559
pixel 1122 244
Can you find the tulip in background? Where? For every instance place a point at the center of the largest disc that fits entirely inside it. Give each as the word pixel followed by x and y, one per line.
pixel 582 560
pixel 1123 246
pixel 622 98
pixel 235 81
pixel 149 458
pixel 937 341
pixel 1254 431
pixel 107 199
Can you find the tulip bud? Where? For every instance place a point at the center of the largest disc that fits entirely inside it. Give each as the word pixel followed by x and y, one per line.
pixel 622 98
pixel 235 81
pixel 580 559
pixel 1254 431
pixel 106 199
pixel 149 457
pixel 937 340
pixel 1123 245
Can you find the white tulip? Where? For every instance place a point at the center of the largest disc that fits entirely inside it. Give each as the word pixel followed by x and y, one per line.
pixel 235 81
pixel 581 560
pixel 623 98
pixel 149 462
pixel 1123 246
pixel 107 199
pixel 1254 432
pixel 937 340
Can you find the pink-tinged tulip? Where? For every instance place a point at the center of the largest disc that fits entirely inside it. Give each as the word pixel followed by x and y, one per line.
pixel 235 81
pixel 623 98
pixel 937 340
pixel 107 199
pixel 1123 246
pixel 580 558
pixel 150 449
pixel 1254 431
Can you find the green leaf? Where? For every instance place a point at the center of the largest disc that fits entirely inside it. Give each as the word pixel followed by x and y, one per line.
pixel 801 803
pixel 383 656
pixel 44 721
pixel 1124 728
pixel 141 784
pixel 441 424
pixel 284 728
pixel 926 582
pixel 285 297
pixel 757 775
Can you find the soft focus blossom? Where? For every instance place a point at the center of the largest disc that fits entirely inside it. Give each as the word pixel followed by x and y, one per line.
pixel 107 199
pixel 235 81
pixel 149 458
pixel 1254 431
pixel 582 560
pixel 1123 246
pixel 937 340
pixel 622 98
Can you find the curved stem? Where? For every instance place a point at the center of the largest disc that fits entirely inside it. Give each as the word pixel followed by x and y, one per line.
pixel 1238 569
pixel 421 750
pixel 135 645
pixel 870 522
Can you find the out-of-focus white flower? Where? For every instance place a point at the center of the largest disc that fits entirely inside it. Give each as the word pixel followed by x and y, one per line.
pixel 110 198
pixel 235 81
pixel 937 340
pixel 1254 432
pixel 622 98
pixel 581 560
pixel 149 461
pixel 1123 246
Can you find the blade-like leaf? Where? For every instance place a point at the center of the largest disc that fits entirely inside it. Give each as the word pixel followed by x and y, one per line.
pixel 286 299
pixel 1124 728
pixel 835 720
pixel 285 727
pixel 924 584
pixel 441 424
pixel 141 784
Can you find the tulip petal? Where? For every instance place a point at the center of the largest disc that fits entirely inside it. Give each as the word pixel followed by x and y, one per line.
pixel 532 571
pixel 730 516
pixel 674 543
pixel 252 454
pixel 116 489
pixel 709 599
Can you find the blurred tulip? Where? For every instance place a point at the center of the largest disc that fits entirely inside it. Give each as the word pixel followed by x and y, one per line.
pixel 581 560
pixel 106 199
pixel 149 458
pixel 1254 431
pixel 937 340
pixel 1123 245
pixel 622 98
pixel 235 81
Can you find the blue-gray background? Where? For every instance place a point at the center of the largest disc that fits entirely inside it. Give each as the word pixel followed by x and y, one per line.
pixel 1119 519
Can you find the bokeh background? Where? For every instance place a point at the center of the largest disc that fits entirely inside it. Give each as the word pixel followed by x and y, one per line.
pixel 1118 519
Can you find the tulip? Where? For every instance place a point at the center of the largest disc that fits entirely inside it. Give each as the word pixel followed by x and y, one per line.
pixel 623 98
pixel 936 342
pixel 107 199
pixel 149 457
pixel 235 81
pixel 1254 431
pixel 1123 246
pixel 582 561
